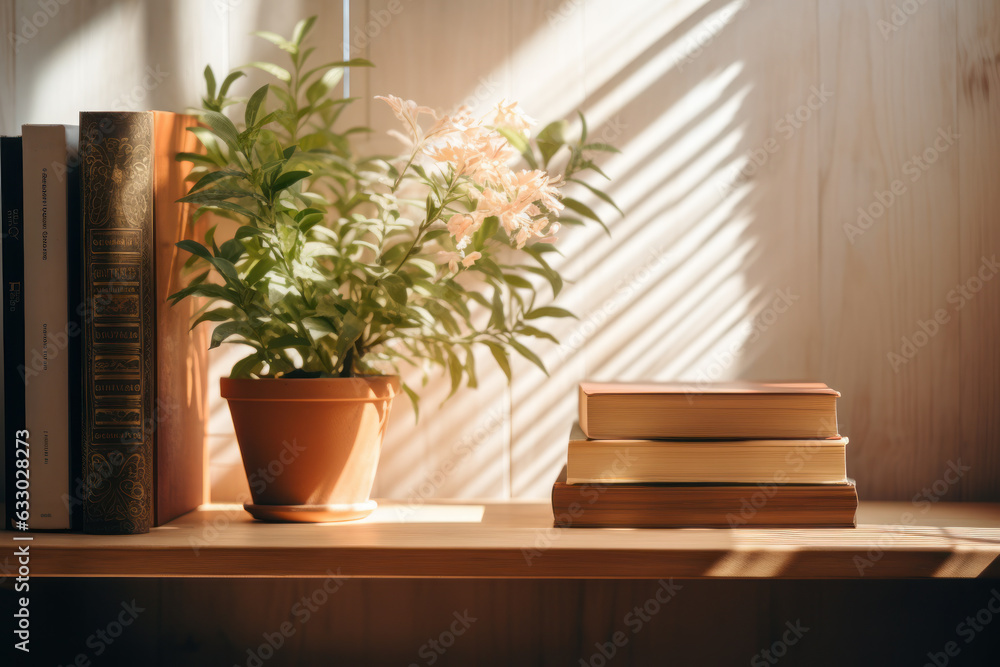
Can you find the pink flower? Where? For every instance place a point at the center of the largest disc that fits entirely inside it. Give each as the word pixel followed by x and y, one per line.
pixel 471 258
pixel 509 116
pixel 408 111
pixel 461 227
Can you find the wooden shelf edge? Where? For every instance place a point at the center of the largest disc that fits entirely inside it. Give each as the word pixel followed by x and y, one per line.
pixel 517 541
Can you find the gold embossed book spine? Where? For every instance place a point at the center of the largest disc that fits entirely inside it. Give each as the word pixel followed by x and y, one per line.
pixel 116 149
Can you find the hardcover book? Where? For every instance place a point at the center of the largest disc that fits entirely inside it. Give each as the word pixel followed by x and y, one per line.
pixel 117 210
pixel 51 339
pixel 145 372
pixel 703 505
pixel 706 461
pixel 11 207
pixel 738 410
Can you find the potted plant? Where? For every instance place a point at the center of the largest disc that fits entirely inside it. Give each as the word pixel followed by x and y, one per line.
pixel 343 267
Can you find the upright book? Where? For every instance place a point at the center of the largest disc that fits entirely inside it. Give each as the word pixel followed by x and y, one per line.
pixel 51 342
pixel 746 410
pixel 144 407
pixel 11 207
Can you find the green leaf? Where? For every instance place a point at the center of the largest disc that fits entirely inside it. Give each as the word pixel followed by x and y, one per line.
pixel 229 329
pixel 288 179
pixel 225 267
pixel 215 315
pixel 537 333
pixel 551 139
pixel 260 269
pixel 501 356
pixel 277 72
pixel 194 248
pixel 546 271
pixel 207 179
pixel 211 144
pixel 210 290
pixel 275 39
pixel 244 367
pixel 351 330
pixel 210 81
pixel 196 158
pixel 414 399
pixel 489 267
pixel 520 144
pixel 307 222
pixel 288 340
pixel 584 210
pixel 228 81
pixel 583 126
pixel 470 368
pixel 302 29
pixel 223 128
pixel 600 146
pixel 395 287
pixel 529 355
pixel 247 231
pixel 235 208
pixel 497 318
pixel 232 250
pixel 597 193
pixel 548 311
pixel 517 281
pixel 323 85
pixel 489 227
pixel 253 104
pixel 422 264
pixel 455 370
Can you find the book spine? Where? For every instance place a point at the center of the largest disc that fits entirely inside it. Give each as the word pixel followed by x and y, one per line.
pixel 119 340
pixel 181 354
pixel 49 157
pixel 75 311
pixel 12 202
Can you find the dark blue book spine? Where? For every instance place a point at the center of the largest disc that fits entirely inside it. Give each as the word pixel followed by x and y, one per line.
pixel 12 205
pixel 77 309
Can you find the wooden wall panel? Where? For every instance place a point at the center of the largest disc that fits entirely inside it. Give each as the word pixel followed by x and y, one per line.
pixel 548 60
pixel 884 280
pixel 690 273
pixel 978 90
pixel 441 54
pixel 685 288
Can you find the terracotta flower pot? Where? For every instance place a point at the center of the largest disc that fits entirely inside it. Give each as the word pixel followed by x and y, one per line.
pixel 310 447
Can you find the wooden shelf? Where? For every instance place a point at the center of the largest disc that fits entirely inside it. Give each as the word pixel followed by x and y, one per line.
pixel 517 540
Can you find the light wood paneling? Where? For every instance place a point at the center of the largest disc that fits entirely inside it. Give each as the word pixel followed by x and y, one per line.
pixel 441 54
pixel 685 288
pixel 547 62
pixel 894 101
pixel 979 219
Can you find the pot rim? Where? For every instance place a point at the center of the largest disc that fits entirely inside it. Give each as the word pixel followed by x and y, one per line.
pixel 370 388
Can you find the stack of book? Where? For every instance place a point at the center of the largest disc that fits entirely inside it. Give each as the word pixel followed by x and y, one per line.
pixel 104 384
pixel 723 455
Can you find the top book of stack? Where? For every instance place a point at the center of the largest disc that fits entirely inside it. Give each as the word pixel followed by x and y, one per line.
pixel 734 410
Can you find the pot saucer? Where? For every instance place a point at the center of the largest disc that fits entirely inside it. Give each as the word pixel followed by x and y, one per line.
pixel 310 513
